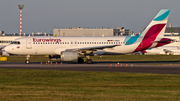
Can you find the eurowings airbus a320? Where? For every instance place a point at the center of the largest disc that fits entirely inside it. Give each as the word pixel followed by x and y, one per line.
pixel 76 48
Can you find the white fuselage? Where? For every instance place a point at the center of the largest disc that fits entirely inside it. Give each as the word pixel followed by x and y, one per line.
pixel 55 45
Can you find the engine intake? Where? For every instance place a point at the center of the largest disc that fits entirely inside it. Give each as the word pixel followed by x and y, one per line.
pixel 69 56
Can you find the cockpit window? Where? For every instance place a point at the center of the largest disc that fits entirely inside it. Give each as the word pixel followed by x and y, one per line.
pixel 15 42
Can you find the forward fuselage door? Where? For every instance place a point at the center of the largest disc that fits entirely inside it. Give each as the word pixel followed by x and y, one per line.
pixel 28 43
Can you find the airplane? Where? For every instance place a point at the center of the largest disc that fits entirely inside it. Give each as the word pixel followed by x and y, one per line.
pixel 2 52
pixel 1 47
pixel 164 50
pixel 76 48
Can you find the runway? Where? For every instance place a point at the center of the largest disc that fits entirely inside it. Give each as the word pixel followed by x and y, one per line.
pixel 167 68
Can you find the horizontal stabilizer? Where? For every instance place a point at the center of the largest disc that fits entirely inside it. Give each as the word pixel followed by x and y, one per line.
pixel 162 41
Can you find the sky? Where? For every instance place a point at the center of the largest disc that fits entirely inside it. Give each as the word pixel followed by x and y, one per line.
pixel 45 15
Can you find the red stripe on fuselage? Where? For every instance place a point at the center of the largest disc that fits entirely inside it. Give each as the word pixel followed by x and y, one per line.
pixel 149 37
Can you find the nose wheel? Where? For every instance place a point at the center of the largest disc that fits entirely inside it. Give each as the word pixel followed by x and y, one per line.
pixel 27 59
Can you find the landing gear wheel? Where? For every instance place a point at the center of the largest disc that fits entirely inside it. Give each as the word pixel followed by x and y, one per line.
pixel 27 61
pixel 80 60
pixel 88 61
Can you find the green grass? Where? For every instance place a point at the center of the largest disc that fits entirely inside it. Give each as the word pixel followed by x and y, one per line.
pixel 105 58
pixel 45 85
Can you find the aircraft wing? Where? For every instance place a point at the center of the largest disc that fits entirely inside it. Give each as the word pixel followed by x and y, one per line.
pixel 92 48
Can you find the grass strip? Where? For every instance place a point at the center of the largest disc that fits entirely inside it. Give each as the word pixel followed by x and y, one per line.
pixel 20 84
pixel 131 58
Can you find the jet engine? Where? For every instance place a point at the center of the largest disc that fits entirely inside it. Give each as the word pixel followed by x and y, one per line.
pixel 69 56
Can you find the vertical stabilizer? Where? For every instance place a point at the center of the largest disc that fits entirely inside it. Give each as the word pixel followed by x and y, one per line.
pixel 158 25
pixel 154 31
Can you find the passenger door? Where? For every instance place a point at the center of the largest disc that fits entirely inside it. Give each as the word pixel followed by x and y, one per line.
pixel 28 43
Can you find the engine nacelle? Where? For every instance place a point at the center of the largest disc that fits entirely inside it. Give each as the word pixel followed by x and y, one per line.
pixel 69 56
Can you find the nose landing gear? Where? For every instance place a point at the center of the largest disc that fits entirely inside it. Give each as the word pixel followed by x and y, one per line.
pixel 27 59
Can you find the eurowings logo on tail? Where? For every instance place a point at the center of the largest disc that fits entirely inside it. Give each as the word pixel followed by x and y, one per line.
pixel 154 31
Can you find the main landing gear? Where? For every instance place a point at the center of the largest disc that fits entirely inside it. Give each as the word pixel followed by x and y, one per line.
pixel 80 60
pixel 88 61
pixel 27 59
